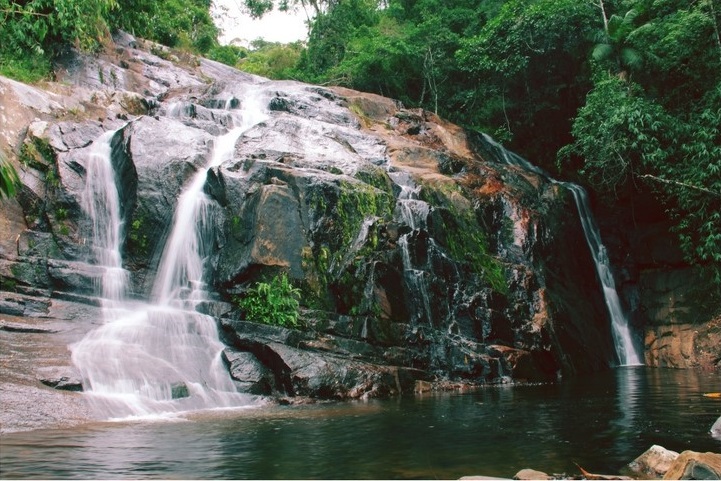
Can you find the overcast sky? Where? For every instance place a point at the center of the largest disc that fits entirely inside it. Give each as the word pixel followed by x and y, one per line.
pixel 276 26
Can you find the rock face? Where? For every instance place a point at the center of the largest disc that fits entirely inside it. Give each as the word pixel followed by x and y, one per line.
pixel 419 256
pixel 677 307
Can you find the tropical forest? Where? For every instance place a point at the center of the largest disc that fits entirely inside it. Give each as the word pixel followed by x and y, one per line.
pixel 461 239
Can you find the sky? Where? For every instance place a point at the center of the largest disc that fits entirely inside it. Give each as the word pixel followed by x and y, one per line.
pixel 240 29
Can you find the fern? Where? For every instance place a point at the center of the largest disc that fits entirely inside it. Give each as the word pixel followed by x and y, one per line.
pixel 274 302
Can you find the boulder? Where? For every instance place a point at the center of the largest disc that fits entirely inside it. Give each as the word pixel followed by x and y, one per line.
pixel 693 465
pixel 65 378
pixel 654 463
pixel 716 429
pixel 249 373
pixel 528 474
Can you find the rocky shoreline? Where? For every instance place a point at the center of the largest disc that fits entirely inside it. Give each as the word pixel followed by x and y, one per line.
pixel 656 463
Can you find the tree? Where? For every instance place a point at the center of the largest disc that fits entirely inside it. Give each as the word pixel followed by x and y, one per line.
pixel 614 48
pixel 660 127
pixel 271 59
pixel 175 23
pixel 38 25
pixel 531 73
pixel 35 30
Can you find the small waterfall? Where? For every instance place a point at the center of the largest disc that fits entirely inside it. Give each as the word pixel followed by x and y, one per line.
pixel 622 337
pixel 159 357
pixel 414 213
pixel 180 272
pixel 101 202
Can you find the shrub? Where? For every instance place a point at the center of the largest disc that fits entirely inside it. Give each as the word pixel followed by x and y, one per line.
pixel 274 302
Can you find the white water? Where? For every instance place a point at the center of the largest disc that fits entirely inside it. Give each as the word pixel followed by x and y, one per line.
pixel 100 200
pixel 412 212
pixel 620 329
pixel 149 359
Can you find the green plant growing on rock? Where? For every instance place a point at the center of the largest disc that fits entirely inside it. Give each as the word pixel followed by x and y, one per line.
pixel 275 302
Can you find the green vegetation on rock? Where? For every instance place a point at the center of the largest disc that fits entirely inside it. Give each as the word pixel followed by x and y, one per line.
pixel 274 302
pixel 9 180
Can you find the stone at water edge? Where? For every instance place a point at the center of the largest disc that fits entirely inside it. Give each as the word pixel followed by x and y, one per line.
pixel 716 428
pixel 693 465
pixel 532 474
pixel 654 463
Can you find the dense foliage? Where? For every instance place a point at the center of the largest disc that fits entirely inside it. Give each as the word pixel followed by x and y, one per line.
pixel 617 94
pixel 274 302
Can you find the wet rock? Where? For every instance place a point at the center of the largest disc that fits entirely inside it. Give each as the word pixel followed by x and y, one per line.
pixel 179 390
pixel 24 328
pixel 484 276
pixel 654 463
pixel 716 429
pixel 693 465
pixel 684 345
pixel 251 375
pixel 62 378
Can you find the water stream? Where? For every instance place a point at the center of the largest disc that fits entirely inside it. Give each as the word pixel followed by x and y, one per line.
pixel 413 212
pixel 626 350
pixel 157 357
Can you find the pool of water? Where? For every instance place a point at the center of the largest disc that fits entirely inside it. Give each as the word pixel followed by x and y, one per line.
pixel 600 422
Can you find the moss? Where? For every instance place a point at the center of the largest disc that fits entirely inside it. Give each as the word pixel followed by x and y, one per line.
pixel 338 211
pixel 37 154
pixel 7 284
pixel 363 118
pixel 137 239
pixel 461 234
pixel 375 177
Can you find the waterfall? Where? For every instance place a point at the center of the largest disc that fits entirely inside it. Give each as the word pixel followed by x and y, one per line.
pixel 101 201
pixel 414 213
pixel 181 267
pixel 152 358
pixel 621 331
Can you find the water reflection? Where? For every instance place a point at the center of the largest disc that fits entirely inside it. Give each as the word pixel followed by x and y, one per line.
pixel 600 422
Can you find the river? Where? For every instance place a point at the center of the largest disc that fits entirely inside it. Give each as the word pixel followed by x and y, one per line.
pixel 600 422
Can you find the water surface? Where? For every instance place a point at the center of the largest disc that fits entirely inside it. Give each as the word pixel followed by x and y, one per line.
pixel 600 422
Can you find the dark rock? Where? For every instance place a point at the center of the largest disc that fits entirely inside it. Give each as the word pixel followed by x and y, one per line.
pixel 62 378
pixel 179 390
pixel 417 253
pixel 251 375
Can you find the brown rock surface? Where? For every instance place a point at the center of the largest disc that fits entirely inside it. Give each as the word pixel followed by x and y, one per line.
pixel 684 345
pixel 693 465
pixel 653 463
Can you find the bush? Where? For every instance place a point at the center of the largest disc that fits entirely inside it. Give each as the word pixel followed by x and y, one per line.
pixel 274 302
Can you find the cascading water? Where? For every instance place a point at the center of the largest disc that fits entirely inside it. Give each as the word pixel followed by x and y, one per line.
pixel 620 329
pixel 160 357
pixel 414 213
pixel 100 200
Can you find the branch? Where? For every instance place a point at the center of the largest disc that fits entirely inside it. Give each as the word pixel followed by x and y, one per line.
pixel 22 12
pixel 681 184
